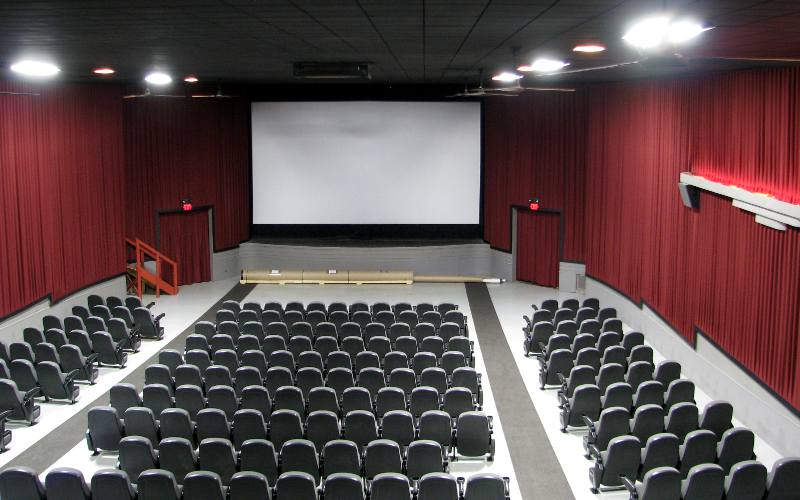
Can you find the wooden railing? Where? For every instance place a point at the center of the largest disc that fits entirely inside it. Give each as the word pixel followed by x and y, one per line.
pixel 145 252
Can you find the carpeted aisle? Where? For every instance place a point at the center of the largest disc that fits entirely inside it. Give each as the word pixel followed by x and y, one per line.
pixel 537 469
pixel 61 440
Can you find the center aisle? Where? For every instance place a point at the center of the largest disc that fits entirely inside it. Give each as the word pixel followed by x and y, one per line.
pixel 538 471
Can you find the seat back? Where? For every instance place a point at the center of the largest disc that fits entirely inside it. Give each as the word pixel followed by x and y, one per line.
pixel 622 458
pixel 424 457
pixel 295 486
pixel 218 455
pixel 341 456
pixel 486 486
pixel 141 421
pixel 661 450
pixel 736 446
pixel 300 455
pixel 247 485
pixel 474 435
pixel 698 447
pixel 258 455
pixel 717 417
pixel 661 483
pixel 747 480
pixel 783 479
pixel 104 428
pixel 177 455
pixel 437 486
pixel 136 455
pixel 157 484
pixel 390 486
pixel 21 483
pixel 111 484
pixel 704 482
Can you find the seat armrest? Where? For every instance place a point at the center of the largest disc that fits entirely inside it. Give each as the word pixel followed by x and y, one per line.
pixel 92 358
pixel 630 486
pixel 589 423
pixel 158 318
pixel 594 452
pixel 69 377
pixel 151 304
pixel 562 379
pixel 506 486
pixel 32 393
pixel 4 415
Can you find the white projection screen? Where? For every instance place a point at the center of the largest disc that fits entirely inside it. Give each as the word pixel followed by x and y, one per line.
pixel 366 162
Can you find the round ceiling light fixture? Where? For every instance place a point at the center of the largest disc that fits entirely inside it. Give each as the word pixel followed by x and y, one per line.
pixel 35 69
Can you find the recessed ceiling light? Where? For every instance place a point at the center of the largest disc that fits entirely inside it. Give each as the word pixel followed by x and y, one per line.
pixel 648 33
pixel 157 78
pixel 191 79
pixel 683 31
pixel 506 76
pixel 35 68
pixel 589 48
pixel 104 71
pixel 544 66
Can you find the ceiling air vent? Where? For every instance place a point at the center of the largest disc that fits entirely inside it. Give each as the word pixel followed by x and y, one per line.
pixel 331 71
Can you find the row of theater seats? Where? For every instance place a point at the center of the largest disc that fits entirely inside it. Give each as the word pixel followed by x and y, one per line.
pixel 177 455
pixel 746 480
pixel 339 313
pixel 211 337
pixel 49 361
pixel 352 345
pixel 338 319
pixel 470 434
pixel 463 391
pixel 375 307
pixel 454 324
pixel 160 484
pixel 678 455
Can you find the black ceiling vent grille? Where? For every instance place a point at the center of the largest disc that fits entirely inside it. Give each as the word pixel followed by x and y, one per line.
pixel 331 71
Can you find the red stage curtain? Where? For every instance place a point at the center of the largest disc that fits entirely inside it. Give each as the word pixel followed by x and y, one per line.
pixel 184 238
pixel 533 146
pixel 713 268
pixel 60 190
pixel 538 238
pixel 188 148
pixel 748 131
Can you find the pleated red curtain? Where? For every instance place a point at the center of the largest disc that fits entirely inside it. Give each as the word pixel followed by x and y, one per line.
pixel 538 245
pixel 60 190
pixel 185 239
pixel 712 268
pixel 533 146
pixel 188 148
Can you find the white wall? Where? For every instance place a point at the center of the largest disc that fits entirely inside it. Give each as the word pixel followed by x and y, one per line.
pixel 720 377
pixel 472 259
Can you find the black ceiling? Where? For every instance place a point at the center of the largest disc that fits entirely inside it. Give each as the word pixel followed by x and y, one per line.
pixel 406 42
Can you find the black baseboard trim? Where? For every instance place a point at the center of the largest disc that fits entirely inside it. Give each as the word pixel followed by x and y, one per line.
pixel 49 297
pixel 693 344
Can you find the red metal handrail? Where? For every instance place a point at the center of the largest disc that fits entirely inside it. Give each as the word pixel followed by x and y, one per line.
pixel 143 251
